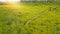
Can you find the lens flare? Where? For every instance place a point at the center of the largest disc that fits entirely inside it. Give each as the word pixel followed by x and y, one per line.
pixel 11 3
pixel 9 0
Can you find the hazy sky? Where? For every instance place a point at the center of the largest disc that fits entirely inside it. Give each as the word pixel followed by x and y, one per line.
pixel 9 0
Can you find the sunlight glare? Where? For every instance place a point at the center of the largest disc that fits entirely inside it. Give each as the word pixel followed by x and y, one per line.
pixel 10 1
pixel 13 4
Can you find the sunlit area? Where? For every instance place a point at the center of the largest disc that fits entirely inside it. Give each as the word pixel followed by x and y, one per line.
pixel 29 16
pixel 10 1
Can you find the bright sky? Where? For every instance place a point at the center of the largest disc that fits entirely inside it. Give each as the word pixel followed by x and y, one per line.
pixel 9 0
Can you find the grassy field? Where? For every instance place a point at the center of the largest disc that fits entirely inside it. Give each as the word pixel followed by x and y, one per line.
pixel 30 18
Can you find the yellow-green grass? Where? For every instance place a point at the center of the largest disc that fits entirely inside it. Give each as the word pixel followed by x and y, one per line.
pixel 23 21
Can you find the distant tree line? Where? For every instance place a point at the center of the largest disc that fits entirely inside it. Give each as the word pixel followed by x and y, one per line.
pixel 40 1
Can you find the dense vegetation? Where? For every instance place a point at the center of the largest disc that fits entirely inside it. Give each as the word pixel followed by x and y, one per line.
pixel 32 18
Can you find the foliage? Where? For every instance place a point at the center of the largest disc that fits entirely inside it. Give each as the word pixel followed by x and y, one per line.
pixel 14 21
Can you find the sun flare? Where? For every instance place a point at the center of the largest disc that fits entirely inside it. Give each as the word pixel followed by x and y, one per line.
pixel 11 3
